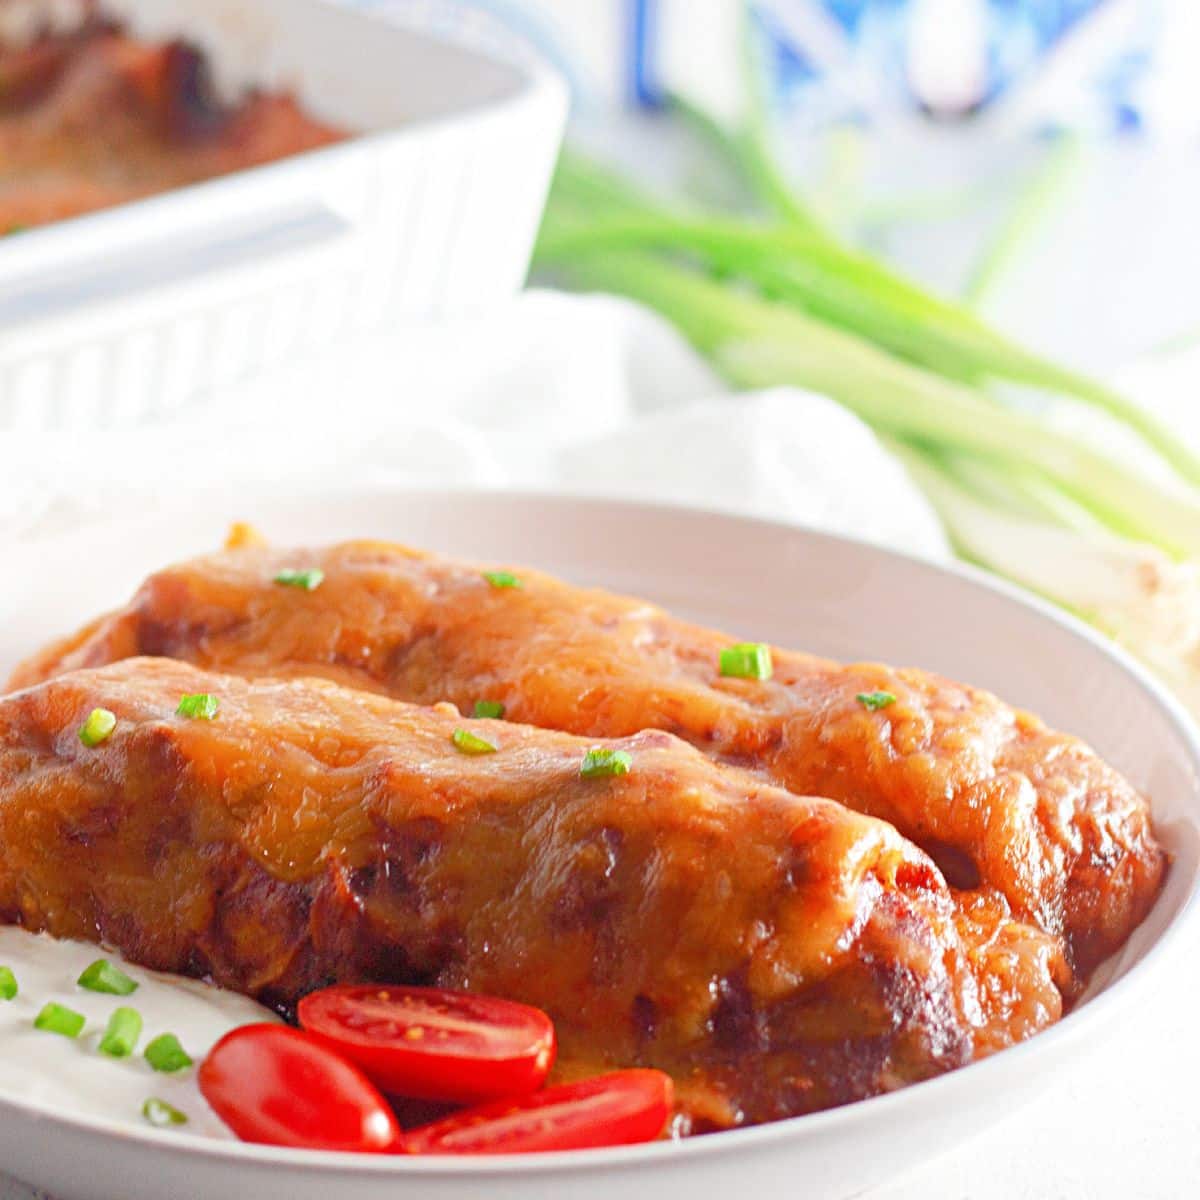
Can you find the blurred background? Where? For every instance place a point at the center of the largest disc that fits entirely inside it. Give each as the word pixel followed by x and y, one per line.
pixel 947 245
pixel 1038 157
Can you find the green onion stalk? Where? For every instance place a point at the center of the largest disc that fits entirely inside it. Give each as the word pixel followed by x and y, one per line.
pixel 773 297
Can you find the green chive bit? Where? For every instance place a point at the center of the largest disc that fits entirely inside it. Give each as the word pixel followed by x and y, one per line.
pixel 502 579
pixel 97 727
pixel 166 1054
pixel 102 976
pixel 600 762
pixel 121 1036
pixel 8 984
pixel 57 1018
pixel 875 700
pixel 747 660
pixel 489 710
pixel 307 579
pixel 200 706
pixel 160 1114
pixel 470 743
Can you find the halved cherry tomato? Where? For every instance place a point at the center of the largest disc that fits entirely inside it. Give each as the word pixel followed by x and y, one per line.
pixel 432 1044
pixel 277 1085
pixel 609 1110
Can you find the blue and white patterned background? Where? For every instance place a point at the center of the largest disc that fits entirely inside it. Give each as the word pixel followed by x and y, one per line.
pixel 1107 269
pixel 1108 65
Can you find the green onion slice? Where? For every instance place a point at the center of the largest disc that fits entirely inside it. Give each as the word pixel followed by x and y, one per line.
pixel 471 743
pixel 8 984
pixel 600 762
pixel 872 701
pixel 747 660
pixel 121 1036
pixel 57 1018
pixel 307 579
pixel 97 727
pixel 166 1054
pixel 489 710
pixel 160 1114
pixel 200 706
pixel 102 976
pixel 502 579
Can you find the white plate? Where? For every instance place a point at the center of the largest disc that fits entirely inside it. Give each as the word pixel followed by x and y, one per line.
pixel 754 578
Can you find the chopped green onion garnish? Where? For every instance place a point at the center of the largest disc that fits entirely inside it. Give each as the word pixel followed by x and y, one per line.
pixel 747 660
pixel 166 1054
pixel 97 727
pixel 502 579
pixel 8 984
pixel 57 1018
pixel 470 743
pixel 201 706
pixel 308 579
pixel 102 976
pixel 600 762
pixel 489 709
pixel 874 700
pixel 121 1037
pixel 161 1114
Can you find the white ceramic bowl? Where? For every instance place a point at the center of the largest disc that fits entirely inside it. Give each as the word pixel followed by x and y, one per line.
pixel 754 578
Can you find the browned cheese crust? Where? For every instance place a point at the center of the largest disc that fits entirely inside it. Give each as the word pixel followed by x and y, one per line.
pixel 1019 818
pixel 775 953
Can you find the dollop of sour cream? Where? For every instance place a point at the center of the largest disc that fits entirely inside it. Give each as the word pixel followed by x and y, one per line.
pixel 69 1075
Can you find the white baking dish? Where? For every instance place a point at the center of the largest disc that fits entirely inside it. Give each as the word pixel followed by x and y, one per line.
pixel 124 315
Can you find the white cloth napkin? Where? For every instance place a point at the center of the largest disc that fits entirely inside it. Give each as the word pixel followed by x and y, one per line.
pixel 584 394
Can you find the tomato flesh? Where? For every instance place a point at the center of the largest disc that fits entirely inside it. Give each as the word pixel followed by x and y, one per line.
pixel 279 1086
pixel 434 1044
pixel 609 1110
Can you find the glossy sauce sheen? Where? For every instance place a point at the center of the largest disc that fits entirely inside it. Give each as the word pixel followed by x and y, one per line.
pixel 1022 820
pixel 775 954
pixel 93 118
